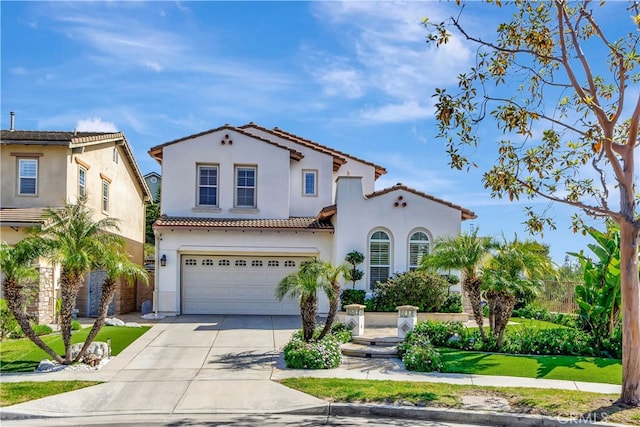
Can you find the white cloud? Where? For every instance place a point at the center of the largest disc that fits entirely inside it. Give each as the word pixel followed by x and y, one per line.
pixel 95 124
pixel 388 57
pixel 342 82
pixel 389 113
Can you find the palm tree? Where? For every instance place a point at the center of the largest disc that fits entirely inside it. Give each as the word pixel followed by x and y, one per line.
pixel 116 264
pixel 466 252
pixel 305 284
pixel 517 266
pixel 76 242
pixel 18 271
pixel 331 274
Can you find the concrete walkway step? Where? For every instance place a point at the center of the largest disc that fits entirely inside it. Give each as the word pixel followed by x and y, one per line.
pixel 376 340
pixel 375 351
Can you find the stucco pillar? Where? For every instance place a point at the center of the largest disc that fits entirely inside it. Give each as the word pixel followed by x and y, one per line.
pixel 354 319
pixel 407 319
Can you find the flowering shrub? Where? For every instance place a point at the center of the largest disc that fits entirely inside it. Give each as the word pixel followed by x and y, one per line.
pixel 567 341
pixel 424 358
pixel 324 354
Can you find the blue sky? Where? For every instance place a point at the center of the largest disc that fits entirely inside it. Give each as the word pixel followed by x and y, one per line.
pixel 357 76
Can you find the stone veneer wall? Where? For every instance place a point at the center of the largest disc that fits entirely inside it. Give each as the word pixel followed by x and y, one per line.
pixel 145 291
pixel 45 300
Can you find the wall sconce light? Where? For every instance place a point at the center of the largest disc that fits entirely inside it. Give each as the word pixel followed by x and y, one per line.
pixel 163 261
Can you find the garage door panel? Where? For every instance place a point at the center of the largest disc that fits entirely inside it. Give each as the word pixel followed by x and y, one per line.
pixel 236 284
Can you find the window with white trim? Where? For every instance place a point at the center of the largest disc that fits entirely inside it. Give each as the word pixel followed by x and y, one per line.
pixel 379 258
pixel 245 187
pixel 27 177
pixel 418 247
pixel 241 263
pixel 105 195
pixel 256 263
pixel 309 183
pixel 82 181
pixel 207 185
pixel 116 155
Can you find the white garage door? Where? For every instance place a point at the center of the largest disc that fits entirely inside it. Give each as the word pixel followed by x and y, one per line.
pixel 218 284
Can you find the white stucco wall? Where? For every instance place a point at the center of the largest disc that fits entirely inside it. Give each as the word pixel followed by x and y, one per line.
pixel 358 218
pixel 177 242
pixel 179 175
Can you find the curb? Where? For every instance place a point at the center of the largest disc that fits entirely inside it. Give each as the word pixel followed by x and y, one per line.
pixel 451 415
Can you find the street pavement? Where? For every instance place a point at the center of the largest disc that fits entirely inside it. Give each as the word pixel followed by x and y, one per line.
pixel 215 364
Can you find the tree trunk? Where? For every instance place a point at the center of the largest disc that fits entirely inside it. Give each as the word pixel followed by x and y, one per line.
pixel 630 291
pixel 108 290
pixel 505 302
pixel 472 288
pixel 308 310
pixel 333 309
pixel 14 295
pixel 70 283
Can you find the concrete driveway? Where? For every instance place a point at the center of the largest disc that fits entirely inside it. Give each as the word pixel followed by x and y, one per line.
pixel 186 364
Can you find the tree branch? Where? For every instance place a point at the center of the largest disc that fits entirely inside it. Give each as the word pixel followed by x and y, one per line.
pixel 500 48
pixel 580 205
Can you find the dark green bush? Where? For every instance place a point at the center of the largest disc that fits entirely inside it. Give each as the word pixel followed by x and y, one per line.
pixel 340 331
pixel 352 296
pixel 612 346
pixel 438 333
pixel 452 304
pixel 42 329
pixel 423 289
pixel 557 341
pixel 75 325
pixel 8 323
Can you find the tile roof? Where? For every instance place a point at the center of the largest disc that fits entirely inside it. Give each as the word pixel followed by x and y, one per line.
pixel 293 223
pixel 156 152
pixel 379 170
pixel 75 139
pixel 22 216
pixel 56 137
pixel 466 214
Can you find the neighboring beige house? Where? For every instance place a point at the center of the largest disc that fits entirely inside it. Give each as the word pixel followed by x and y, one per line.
pixel 43 169
pixel 243 206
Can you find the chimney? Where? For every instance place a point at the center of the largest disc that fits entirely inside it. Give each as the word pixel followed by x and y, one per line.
pixel 13 120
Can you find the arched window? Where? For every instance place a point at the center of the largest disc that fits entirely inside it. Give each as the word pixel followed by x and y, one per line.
pixel 418 247
pixel 379 258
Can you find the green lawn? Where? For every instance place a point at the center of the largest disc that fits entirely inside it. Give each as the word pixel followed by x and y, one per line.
pixel 550 402
pixel 22 355
pixel 574 368
pixel 14 393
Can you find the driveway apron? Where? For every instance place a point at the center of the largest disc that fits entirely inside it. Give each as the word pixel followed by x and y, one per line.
pixel 189 364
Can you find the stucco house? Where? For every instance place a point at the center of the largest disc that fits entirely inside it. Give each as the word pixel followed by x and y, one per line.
pixel 45 169
pixel 153 180
pixel 243 206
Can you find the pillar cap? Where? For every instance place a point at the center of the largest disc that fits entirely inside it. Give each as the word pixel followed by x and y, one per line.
pixel 406 307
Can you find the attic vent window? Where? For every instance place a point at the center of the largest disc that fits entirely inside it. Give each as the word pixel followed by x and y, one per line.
pixel 226 140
